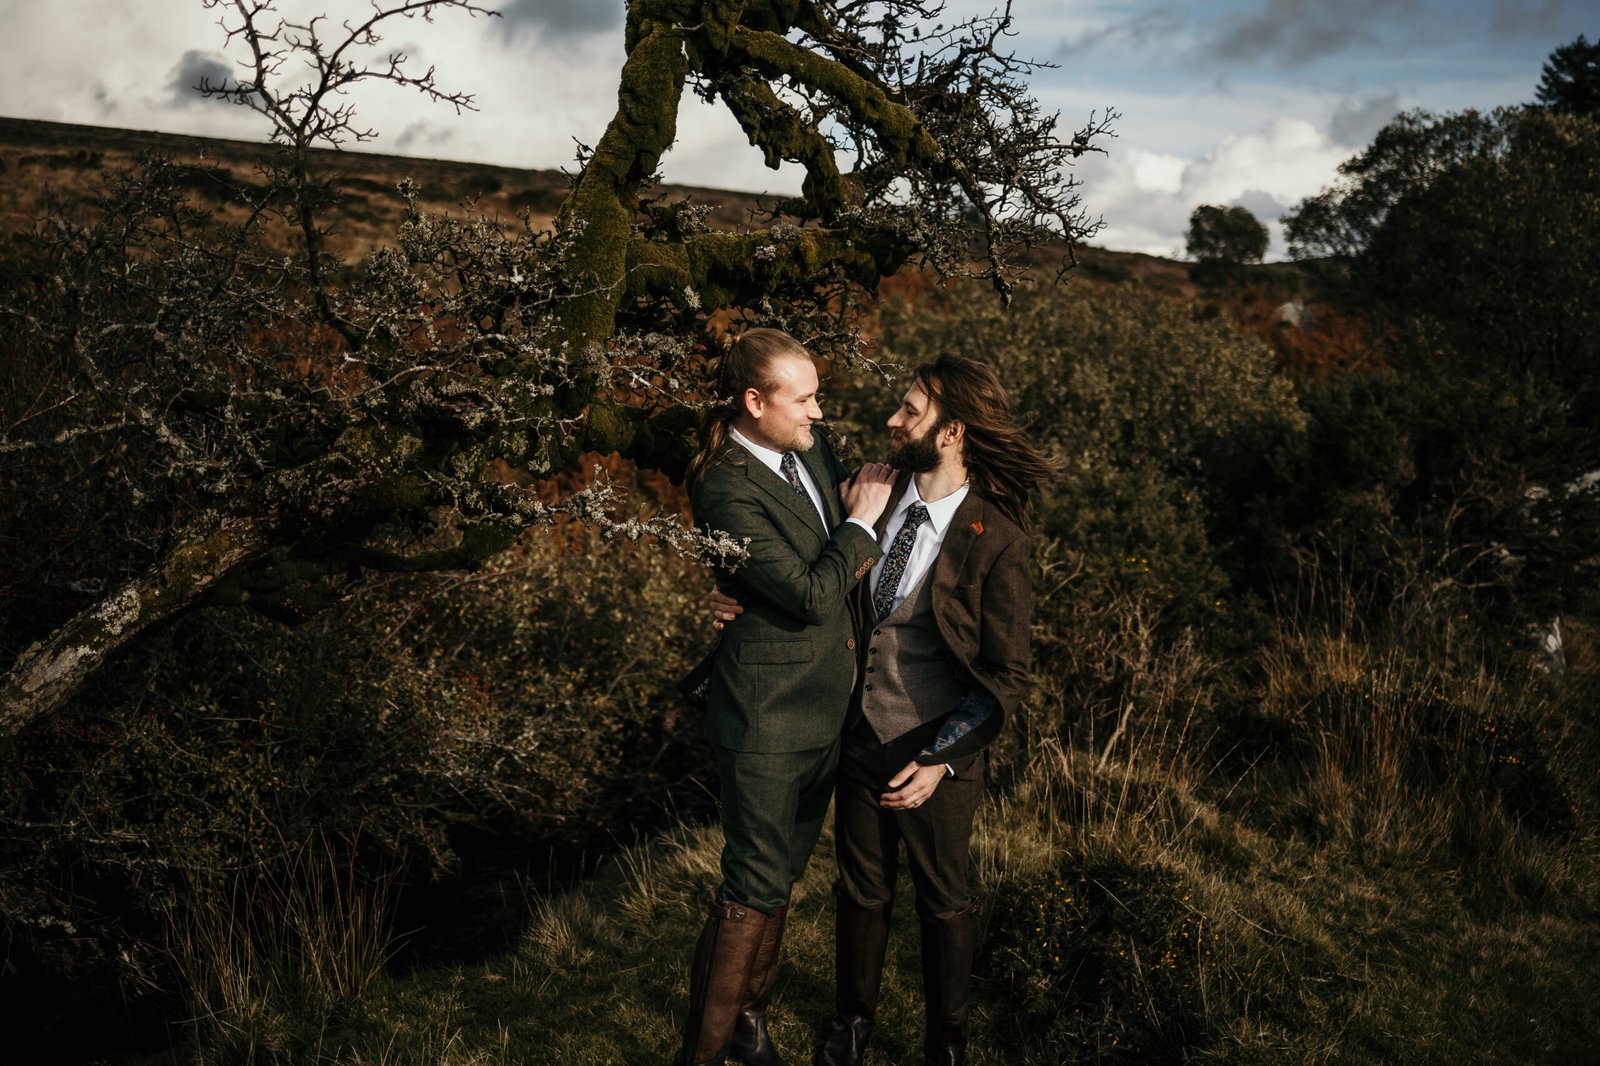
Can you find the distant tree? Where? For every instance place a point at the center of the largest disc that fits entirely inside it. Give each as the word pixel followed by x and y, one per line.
pixel 1405 156
pixel 1230 236
pixel 1471 222
pixel 232 414
pixel 1569 84
pixel 1468 244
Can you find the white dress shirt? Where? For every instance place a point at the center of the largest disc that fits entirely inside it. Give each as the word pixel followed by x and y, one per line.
pixel 925 549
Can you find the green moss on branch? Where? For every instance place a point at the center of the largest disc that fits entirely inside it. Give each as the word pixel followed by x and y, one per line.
pixel 657 440
pixel 900 135
pixel 782 133
pixel 731 268
pixel 597 216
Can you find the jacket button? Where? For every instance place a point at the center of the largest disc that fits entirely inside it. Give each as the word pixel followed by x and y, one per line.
pixel 875 651
pixel 868 687
pixel 872 669
pixel 851 643
pixel 877 632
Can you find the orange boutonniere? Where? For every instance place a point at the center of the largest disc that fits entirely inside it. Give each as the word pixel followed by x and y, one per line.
pixel 977 527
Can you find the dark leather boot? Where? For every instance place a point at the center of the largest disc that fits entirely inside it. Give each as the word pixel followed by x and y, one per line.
pixel 751 1045
pixel 719 980
pixel 948 947
pixel 861 936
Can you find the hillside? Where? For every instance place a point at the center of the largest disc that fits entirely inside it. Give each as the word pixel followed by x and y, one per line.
pixel 40 159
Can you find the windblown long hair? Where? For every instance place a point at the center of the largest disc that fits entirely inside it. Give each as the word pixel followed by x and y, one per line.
pixel 1001 465
pixel 746 362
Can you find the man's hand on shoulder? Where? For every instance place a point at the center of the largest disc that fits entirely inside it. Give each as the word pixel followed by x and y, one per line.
pixel 866 495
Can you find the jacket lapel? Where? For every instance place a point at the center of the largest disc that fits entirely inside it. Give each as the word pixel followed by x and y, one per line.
pixel 779 489
pixel 966 526
pixel 812 460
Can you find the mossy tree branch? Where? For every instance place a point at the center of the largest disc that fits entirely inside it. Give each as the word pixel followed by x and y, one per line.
pixel 598 213
pixel 783 134
pixel 50 670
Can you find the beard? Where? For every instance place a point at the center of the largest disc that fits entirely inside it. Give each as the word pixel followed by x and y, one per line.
pixel 799 441
pixel 915 455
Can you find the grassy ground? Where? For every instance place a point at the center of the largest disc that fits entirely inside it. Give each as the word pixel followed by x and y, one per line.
pixel 1390 861
pixel 1289 951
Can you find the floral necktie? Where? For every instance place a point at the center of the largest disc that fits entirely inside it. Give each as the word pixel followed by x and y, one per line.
pixel 894 564
pixel 791 470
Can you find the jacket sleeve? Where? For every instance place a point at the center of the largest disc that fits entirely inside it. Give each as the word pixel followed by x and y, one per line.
pixel 810 590
pixel 1001 666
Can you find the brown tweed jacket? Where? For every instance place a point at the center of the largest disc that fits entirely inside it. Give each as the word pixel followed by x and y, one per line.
pixel 982 605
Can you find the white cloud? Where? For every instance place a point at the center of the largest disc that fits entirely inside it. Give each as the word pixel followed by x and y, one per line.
pixel 1158 172
pixel 713 151
pixel 1355 121
pixel 1146 198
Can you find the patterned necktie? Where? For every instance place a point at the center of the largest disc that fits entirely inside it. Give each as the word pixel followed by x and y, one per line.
pixel 791 470
pixel 894 564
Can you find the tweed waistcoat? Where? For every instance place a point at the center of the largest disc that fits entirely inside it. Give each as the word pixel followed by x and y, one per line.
pixel 911 679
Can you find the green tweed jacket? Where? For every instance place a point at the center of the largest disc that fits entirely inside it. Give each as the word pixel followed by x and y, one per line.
pixel 781 677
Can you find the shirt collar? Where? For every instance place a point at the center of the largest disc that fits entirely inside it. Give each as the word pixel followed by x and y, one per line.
pixel 940 512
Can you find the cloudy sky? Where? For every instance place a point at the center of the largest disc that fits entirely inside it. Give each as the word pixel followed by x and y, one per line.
pixel 1251 102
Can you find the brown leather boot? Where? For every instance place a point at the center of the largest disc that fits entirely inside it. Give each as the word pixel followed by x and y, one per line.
pixel 719 980
pixel 861 937
pixel 949 945
pixel 751 1045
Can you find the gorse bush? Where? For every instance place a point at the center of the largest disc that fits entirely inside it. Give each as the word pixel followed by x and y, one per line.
pixel 1455 239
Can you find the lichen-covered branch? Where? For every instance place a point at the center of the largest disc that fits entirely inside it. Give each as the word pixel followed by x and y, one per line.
pixel 52 669
pixel 783 134
pixel 729 269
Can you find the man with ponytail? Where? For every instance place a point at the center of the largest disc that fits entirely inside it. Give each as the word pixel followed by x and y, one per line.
pixel 944 657
pixel 779 687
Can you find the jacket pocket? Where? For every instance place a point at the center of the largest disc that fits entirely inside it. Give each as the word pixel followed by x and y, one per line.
pixel 775 651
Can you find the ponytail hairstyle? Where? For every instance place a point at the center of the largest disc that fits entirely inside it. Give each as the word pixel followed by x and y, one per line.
pixel 1001 465
pixel 746 363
